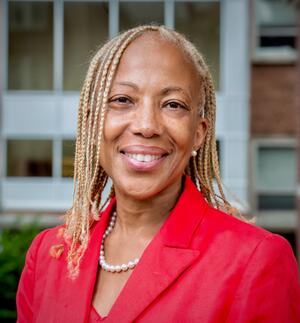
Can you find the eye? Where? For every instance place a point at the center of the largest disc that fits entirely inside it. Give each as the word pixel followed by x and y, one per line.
pixel 120 100
pixel 174 105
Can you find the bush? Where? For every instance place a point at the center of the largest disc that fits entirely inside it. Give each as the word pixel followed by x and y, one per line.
pixel 13 247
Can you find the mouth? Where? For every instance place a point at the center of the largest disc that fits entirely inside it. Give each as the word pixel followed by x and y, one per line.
pixel 142 158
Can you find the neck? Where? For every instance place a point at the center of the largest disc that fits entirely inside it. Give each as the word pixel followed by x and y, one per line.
pixel 145 217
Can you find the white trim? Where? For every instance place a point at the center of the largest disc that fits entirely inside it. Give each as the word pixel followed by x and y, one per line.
pixel 58 44
pixel 169 13
pixel 8 220
pixel 277 55
pixel 3 45
pixel 282 221
pixel 113 18
pixel 274 142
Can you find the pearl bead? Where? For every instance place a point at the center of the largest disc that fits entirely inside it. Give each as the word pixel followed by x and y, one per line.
pixel 113 268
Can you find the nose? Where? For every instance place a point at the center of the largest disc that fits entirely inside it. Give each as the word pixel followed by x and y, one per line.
pixel 147 120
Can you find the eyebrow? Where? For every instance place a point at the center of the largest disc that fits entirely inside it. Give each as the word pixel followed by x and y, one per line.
pixel 164 91
pixel 128 84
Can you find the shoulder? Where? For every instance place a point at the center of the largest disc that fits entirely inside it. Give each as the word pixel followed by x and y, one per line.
pixel 232 227
pixel 244 240
pixel 41 245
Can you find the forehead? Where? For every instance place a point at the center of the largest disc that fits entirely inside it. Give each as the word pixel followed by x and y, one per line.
pixel 152 56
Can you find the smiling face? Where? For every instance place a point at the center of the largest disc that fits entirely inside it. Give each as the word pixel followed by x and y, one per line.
pixel 152 122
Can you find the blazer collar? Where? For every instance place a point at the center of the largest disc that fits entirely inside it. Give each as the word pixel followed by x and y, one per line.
pixel 188 212
pixel 164 259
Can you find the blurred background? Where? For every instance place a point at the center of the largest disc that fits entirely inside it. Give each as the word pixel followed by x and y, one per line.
pixel 45 47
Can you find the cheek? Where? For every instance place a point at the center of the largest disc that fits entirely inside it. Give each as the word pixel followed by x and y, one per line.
pixel 113 126
pixel 182 132
pixel 110 131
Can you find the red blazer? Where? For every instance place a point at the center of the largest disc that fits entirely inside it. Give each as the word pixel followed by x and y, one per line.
pixel 202 266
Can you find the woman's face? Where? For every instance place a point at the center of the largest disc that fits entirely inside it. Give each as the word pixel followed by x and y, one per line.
pixel 152 122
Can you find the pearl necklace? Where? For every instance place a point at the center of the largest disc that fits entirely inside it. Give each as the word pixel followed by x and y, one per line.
pixel 103 263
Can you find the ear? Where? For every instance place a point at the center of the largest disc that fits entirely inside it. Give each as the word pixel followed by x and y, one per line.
pixel 200 133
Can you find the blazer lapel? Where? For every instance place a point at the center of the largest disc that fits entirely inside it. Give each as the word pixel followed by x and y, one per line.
pixel 165 258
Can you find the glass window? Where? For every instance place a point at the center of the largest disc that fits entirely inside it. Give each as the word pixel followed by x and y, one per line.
pixel 276 178
pixel 133 14
pixel 276 202
pixel 29 157
pixel 200 22
pixel 30 57
pixel 276 168
pixel 85 29
pixel 276 23
pixel 68 153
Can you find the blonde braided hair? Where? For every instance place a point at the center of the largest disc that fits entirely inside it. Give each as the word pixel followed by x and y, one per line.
pixel 90 178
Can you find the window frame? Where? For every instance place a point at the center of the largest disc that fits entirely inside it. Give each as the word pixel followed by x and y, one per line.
pixel 264 54
pixel 272 218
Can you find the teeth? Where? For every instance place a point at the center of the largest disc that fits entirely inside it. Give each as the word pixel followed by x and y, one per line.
pixel 143 158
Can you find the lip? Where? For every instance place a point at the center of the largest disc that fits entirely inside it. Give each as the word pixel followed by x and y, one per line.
pixel 143 150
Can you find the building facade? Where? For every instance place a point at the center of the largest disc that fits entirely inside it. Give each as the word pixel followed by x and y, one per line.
pixel 45 49
pixel 250 46
pixel 274 115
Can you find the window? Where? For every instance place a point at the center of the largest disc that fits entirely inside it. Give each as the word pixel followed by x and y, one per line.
pixel 85 29
pixel 276 178
pixel 30 49
pixel 68 153
pixel 276 28
pixel 29 157
pixel 133 14
pixel 201 23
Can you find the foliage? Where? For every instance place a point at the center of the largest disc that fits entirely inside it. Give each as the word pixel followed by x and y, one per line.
pixel 14 243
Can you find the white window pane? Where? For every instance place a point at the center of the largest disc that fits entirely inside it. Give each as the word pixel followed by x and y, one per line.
pixel 68 154
pixel 276 24
pixel 275 13
pixel 30 62
pixel 29 157
pixel 85 29
pixel 133 14
pixel 201 23
pixel 276 168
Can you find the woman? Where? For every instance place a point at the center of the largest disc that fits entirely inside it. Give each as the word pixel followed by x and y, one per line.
pixel 162 250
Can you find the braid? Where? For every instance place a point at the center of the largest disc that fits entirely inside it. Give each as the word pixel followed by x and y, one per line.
pixel 90 179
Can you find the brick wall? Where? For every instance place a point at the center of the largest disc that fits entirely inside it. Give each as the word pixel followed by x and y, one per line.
pixel 273 103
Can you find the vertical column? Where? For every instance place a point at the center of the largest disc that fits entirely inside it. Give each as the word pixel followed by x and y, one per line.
pixel 169 14
pixel 113 24
pixel 3 86
pixel 58 55
pixel 234 86
pixel 58 44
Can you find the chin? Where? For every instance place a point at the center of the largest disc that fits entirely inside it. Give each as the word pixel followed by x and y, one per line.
pixel 145 187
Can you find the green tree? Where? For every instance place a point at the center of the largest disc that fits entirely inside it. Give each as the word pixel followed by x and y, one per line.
pixel 13 246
